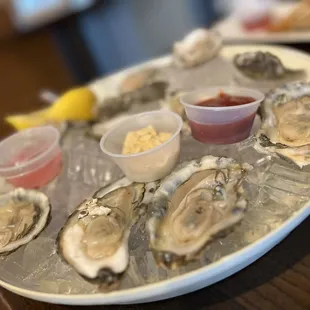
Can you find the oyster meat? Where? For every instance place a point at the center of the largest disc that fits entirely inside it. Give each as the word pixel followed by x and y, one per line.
pixel 94 240
pixel 198 47
pixel 23 215
pixel 195 205
pixel 285 129
pixel 263 68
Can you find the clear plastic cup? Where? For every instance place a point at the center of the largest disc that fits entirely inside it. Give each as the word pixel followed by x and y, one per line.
pixel 31 158
pixel 150 165
pixel 221 125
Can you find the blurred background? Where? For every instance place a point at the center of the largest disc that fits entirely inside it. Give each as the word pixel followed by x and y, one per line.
pixel 56 44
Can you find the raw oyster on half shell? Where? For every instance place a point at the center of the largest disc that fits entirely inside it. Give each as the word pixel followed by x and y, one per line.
pixel 23 215
pixel 138 80
pixel 285 129
pixel 198 47
pixel 119 104
pixel 94 240
pixel 114 109
pixel 193 206
pixel 264 69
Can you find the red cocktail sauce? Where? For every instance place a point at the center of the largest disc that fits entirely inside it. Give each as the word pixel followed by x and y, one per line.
pixel 225 133
pixel 258 23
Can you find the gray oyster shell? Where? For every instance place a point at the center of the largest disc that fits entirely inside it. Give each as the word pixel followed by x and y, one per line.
pixel 115 105
pixel 195 205
pixel 263 70
pixel 23 216
pixel 94 240
pixel 286 135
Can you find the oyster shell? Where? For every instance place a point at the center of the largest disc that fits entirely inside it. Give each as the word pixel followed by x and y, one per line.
pixel 115 105
pixel 97 130
pixel 137 80
pixel 23 215
pixel 264 69
pixel 198 47
pixel 173 104
pixel 94 240
pixel 111 111
pixel 285 129
pixel 193 206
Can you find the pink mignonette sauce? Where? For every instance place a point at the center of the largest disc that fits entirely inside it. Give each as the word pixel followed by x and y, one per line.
pixel 31 158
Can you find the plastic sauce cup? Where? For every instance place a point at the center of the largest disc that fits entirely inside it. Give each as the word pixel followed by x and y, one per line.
pixel 221 125
pixel 31 158
pixel 150 165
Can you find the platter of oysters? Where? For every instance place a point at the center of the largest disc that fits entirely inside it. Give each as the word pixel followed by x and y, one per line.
pixel 148 207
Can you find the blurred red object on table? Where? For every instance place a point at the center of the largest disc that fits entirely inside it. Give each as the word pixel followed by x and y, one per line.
pixel 253 14
pixel 260 23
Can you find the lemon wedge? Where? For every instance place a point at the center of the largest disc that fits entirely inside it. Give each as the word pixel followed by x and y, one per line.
pixel 77 104
pixel 24 121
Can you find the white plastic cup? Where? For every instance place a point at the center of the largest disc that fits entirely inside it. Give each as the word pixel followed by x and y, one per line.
pixel 221 118
pixel 150 165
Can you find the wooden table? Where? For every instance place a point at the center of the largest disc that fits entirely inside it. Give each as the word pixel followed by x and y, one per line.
pixel 279 280
pixel 29 63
